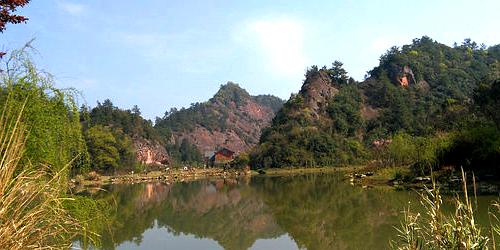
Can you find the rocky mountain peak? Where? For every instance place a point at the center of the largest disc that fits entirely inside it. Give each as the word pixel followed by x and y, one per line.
pixel 232 118
pixel 317 90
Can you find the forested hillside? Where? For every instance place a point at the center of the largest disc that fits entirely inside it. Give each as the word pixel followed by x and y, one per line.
pixel 232 118
pixel 423 103
pixel 120 139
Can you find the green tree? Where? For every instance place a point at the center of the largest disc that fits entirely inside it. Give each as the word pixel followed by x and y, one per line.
pixel 51 114
pixel 338 73
pixel 103 148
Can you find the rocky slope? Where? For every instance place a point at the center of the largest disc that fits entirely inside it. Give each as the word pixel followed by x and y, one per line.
pixel 150 152
pixel 232 119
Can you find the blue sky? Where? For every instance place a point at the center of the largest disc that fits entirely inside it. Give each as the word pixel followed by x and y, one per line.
pixel 163 54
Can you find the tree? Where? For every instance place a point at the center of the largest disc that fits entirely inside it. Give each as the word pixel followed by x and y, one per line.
pixel 7 9
pixel 338 73
pixel 136 110
pixel 102 148
pixel 488 100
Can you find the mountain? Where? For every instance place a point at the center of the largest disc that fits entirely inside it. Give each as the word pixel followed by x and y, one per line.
pixel 232 118
pixel 419 90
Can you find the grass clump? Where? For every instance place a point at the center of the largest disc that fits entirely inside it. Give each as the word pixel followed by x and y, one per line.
pixel 436 230
pixel 32 214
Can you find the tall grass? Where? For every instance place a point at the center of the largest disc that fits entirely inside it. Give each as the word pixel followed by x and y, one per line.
pixel 437 230
pixel 32 215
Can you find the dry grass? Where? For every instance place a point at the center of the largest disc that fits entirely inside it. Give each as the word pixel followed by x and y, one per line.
pixel 31 203
pixel 437 230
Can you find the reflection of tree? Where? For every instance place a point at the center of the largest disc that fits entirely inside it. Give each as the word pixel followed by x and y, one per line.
pixel 318 211
pixel 137 207
pixel 227 211
pixel 233 215
pixel 321 212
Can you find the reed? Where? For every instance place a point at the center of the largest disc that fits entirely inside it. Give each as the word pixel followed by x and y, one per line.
pixel 436 230
pixel 32 215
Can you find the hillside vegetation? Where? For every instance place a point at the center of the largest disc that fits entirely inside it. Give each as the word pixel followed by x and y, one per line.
pixel 425 104
pixel 232 118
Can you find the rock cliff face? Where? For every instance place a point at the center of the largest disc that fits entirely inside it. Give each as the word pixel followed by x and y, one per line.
pixel 317 91
pixel 232 119
pixel 148 152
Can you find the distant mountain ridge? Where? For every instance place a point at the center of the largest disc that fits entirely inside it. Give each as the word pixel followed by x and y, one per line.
pixel 232 118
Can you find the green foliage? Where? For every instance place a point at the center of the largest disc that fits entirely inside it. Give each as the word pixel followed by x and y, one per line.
pixel 185 152
pixel 298 138
pixel 476 147
pixel 488 100
pixel 241 161
pixel 55 137
pixel 344 110
pixel 110 150
pixel 445 82
pixel 128 121
pixel 423 118
pixel 337 73
pixel 102 147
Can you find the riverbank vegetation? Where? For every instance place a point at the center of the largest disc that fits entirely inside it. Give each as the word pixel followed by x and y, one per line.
pixel 435 229
pixel 32 196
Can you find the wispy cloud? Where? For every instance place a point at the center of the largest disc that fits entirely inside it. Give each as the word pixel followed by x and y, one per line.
pixel 74 9
pixel 281 41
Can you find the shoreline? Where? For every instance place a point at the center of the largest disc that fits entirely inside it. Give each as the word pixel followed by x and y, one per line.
pixel 178 175
pixel 175 175
pixel 357 175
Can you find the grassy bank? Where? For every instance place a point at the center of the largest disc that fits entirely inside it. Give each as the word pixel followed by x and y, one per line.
pixel 174 175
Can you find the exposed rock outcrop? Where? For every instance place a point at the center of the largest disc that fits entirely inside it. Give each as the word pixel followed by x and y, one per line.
pixel 317 91
pixel 407 77
pixel 148 152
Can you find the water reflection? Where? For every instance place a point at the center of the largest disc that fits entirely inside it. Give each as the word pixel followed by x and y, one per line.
pixel 317 211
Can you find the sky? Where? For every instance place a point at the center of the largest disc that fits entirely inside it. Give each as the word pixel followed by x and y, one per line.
pixel 160 54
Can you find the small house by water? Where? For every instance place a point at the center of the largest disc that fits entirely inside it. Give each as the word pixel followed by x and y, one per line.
pixel 221 157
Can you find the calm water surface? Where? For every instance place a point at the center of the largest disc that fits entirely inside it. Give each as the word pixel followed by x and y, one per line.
pixel 316 211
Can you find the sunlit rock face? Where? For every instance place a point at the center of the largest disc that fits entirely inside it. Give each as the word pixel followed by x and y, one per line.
pixel 148 152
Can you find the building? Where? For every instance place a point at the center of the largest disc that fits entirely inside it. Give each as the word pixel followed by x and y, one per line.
pixel 221 157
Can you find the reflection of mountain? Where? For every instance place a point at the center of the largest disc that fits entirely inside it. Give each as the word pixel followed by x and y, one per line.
pixel 321 212
pixel 227 211
pixel 232 214
pixel 318 211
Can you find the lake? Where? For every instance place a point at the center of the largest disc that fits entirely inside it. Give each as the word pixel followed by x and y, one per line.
pixel 312 211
